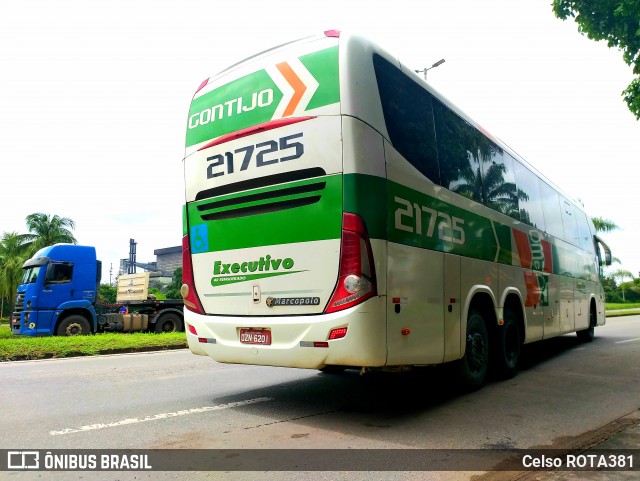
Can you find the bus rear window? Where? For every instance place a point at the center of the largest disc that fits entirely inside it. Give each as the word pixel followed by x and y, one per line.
pixel 408 114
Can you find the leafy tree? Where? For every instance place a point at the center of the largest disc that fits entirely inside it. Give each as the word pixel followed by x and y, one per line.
pixel 46 230
pixel 617 22
pixel 621 275
pixel 107 293
pixel 12 257
pixel 604 225
pixel 158 293
pixel 173 289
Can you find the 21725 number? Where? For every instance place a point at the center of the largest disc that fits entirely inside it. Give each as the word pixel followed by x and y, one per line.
pixel 266 153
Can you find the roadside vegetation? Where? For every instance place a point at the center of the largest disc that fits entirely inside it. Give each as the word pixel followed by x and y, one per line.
pixel 16 348
pixel 621 288
pixel 610 306
pixel 622 309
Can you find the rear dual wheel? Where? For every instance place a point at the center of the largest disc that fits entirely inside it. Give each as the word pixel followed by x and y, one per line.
pixel 508 346
pixel 472 368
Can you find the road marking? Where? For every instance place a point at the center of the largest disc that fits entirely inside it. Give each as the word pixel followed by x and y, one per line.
pixel 628 340
pixel 157 417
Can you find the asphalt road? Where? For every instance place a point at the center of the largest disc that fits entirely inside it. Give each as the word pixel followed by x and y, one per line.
pixel 177 400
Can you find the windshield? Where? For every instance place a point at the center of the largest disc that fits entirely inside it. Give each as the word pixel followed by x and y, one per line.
pixel 30 274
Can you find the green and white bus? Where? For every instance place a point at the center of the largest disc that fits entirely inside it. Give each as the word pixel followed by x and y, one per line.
pixel 342 213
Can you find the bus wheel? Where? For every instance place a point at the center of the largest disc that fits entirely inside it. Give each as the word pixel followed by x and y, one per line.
pixel 75 325
pixel 472 368
pixel 588 334
pixel 168 322
pixel 509 345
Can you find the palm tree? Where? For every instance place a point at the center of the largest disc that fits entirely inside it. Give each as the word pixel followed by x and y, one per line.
pixel 604 225
pixel 12 256
pixel 46 230
pixel 621 275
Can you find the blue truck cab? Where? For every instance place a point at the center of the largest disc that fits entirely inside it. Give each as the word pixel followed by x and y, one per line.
pixel 57 293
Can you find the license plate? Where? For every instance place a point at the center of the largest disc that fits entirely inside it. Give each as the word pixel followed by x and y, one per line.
pixel 255 336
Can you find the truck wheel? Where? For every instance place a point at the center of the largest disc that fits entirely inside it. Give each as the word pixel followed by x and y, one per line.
pixel 169 322
pixel 74 325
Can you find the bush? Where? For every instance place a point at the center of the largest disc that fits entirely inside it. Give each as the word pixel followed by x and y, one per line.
pixel 156 292
pixel 107 293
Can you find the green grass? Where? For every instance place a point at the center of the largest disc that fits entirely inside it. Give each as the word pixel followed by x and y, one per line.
pixel 13 348
pixel 610 306
pixel 626 309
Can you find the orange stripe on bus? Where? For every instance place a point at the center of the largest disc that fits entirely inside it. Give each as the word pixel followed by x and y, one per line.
pixel 299 88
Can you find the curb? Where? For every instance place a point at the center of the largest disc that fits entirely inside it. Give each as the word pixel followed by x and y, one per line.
pixel 104 352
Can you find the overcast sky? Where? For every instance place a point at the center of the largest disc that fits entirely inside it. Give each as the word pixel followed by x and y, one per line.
pixel 94 98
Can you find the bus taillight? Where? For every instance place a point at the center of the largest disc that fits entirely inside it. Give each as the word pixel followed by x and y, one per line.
pixel 357 280
pixel 188 289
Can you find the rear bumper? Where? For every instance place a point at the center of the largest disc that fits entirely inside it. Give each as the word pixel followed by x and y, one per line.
pixel 296 341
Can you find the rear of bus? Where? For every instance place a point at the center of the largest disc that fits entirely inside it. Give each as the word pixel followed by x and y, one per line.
pixel 279 267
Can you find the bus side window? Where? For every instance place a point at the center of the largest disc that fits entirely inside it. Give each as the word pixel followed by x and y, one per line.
pixel 499 183
pixel 585 240
pixel 570 225
pixel 529 197
pixel 551 210
pixel 460 151
pixel 408 115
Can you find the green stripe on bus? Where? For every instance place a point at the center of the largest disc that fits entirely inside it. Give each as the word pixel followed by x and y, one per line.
pixel 366 196
pixel 320 220
pixel 242 103
pixel 253 99
pixel 184 220
pixel 420 220
pixel 375 199
pixel 323 66
pixel 234 279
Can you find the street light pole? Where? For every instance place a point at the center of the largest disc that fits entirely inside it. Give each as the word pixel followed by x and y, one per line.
pixel 437 64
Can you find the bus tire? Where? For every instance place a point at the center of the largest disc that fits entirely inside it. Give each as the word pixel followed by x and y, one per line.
pixel 472 368
pixel 74 325
pixel 588 334
pixel 168 322
pixel 508 346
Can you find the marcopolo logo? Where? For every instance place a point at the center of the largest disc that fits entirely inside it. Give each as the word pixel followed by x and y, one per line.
pixel 229 273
